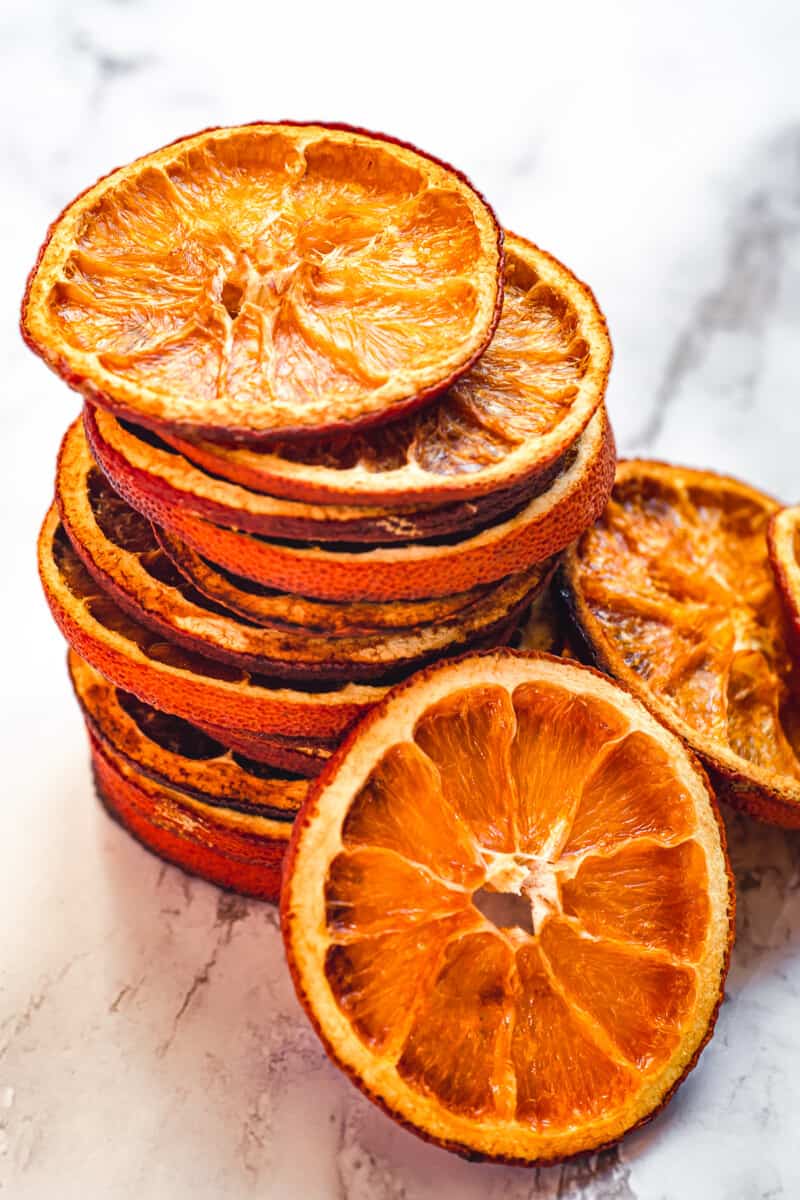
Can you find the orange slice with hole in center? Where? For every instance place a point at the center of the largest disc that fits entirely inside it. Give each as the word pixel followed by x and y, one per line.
pixel 507 908
pixel 267 280
pixel 673 594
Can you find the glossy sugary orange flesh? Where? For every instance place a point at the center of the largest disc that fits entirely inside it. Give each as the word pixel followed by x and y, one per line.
pixel 674 590
pixel 524 401
pixel 266 279
pixel 519 912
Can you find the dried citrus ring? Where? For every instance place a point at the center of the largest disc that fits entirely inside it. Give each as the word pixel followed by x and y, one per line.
pixel 268 279
pixel 155 479
pixel 541 529
pixel 178 754
pixel 784 552
pixel 507 907
pixel 173 679
pixel 301 756
pixel 240 851
pixel 119 548
pixel 673 594
pixel 265 606
pixel 521 405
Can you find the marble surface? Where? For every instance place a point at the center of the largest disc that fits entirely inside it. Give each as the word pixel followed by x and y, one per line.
pixel 150 1042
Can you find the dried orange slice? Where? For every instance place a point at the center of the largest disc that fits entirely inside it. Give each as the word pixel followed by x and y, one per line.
pixel 155 479
pixel 517 410
pixel 178 754
pixel 236 850
pixel 265 606
pixel 673 593
pixel 784 553
pixel 507 908
pixel 119 548
pixel 300 756
pixel 440 567
pixel 173 679
pixel 268 279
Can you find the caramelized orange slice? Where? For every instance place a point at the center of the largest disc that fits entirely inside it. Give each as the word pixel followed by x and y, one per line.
pixel 268 279
pixel 673 592
pixel 520 406
pixel 784 553
pixel 507 908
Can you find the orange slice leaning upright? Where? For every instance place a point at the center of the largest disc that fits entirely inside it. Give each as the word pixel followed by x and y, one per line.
pixel 673 594
pixel 268 280
pixel 507 908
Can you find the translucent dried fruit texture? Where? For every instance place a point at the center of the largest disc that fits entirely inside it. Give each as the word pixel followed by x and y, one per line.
pixel 673 592
pixel 173 679
pixel 120 549
pixel 442 567
pixel 178 754
pixel 268 279
pixel 784 553
pixel 520 406
pixel 507 908
pixel 236 850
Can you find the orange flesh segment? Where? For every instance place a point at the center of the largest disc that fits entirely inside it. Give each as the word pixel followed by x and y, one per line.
pixel 249 268
pixel 637 1000
pixel 468 737
pixel 677 575
pixel 643 893
pixel 557 735
pixel 543 794
pixel 402 808
pixel 452 1046
pixel 562 1074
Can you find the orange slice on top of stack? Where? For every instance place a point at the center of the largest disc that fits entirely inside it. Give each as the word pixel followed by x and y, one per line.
pixel 673 593
pixel 268 279
pixel 507 908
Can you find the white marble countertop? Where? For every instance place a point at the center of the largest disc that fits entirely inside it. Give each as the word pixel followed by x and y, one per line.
pixel 150 1042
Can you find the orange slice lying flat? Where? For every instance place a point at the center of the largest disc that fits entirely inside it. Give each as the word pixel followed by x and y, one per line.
pixel 519 408
pixel 546 524
pixel 266 280
pixel 673 593
pixel 507 908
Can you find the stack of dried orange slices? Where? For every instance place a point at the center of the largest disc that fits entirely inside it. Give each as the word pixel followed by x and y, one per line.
pixel 336 428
